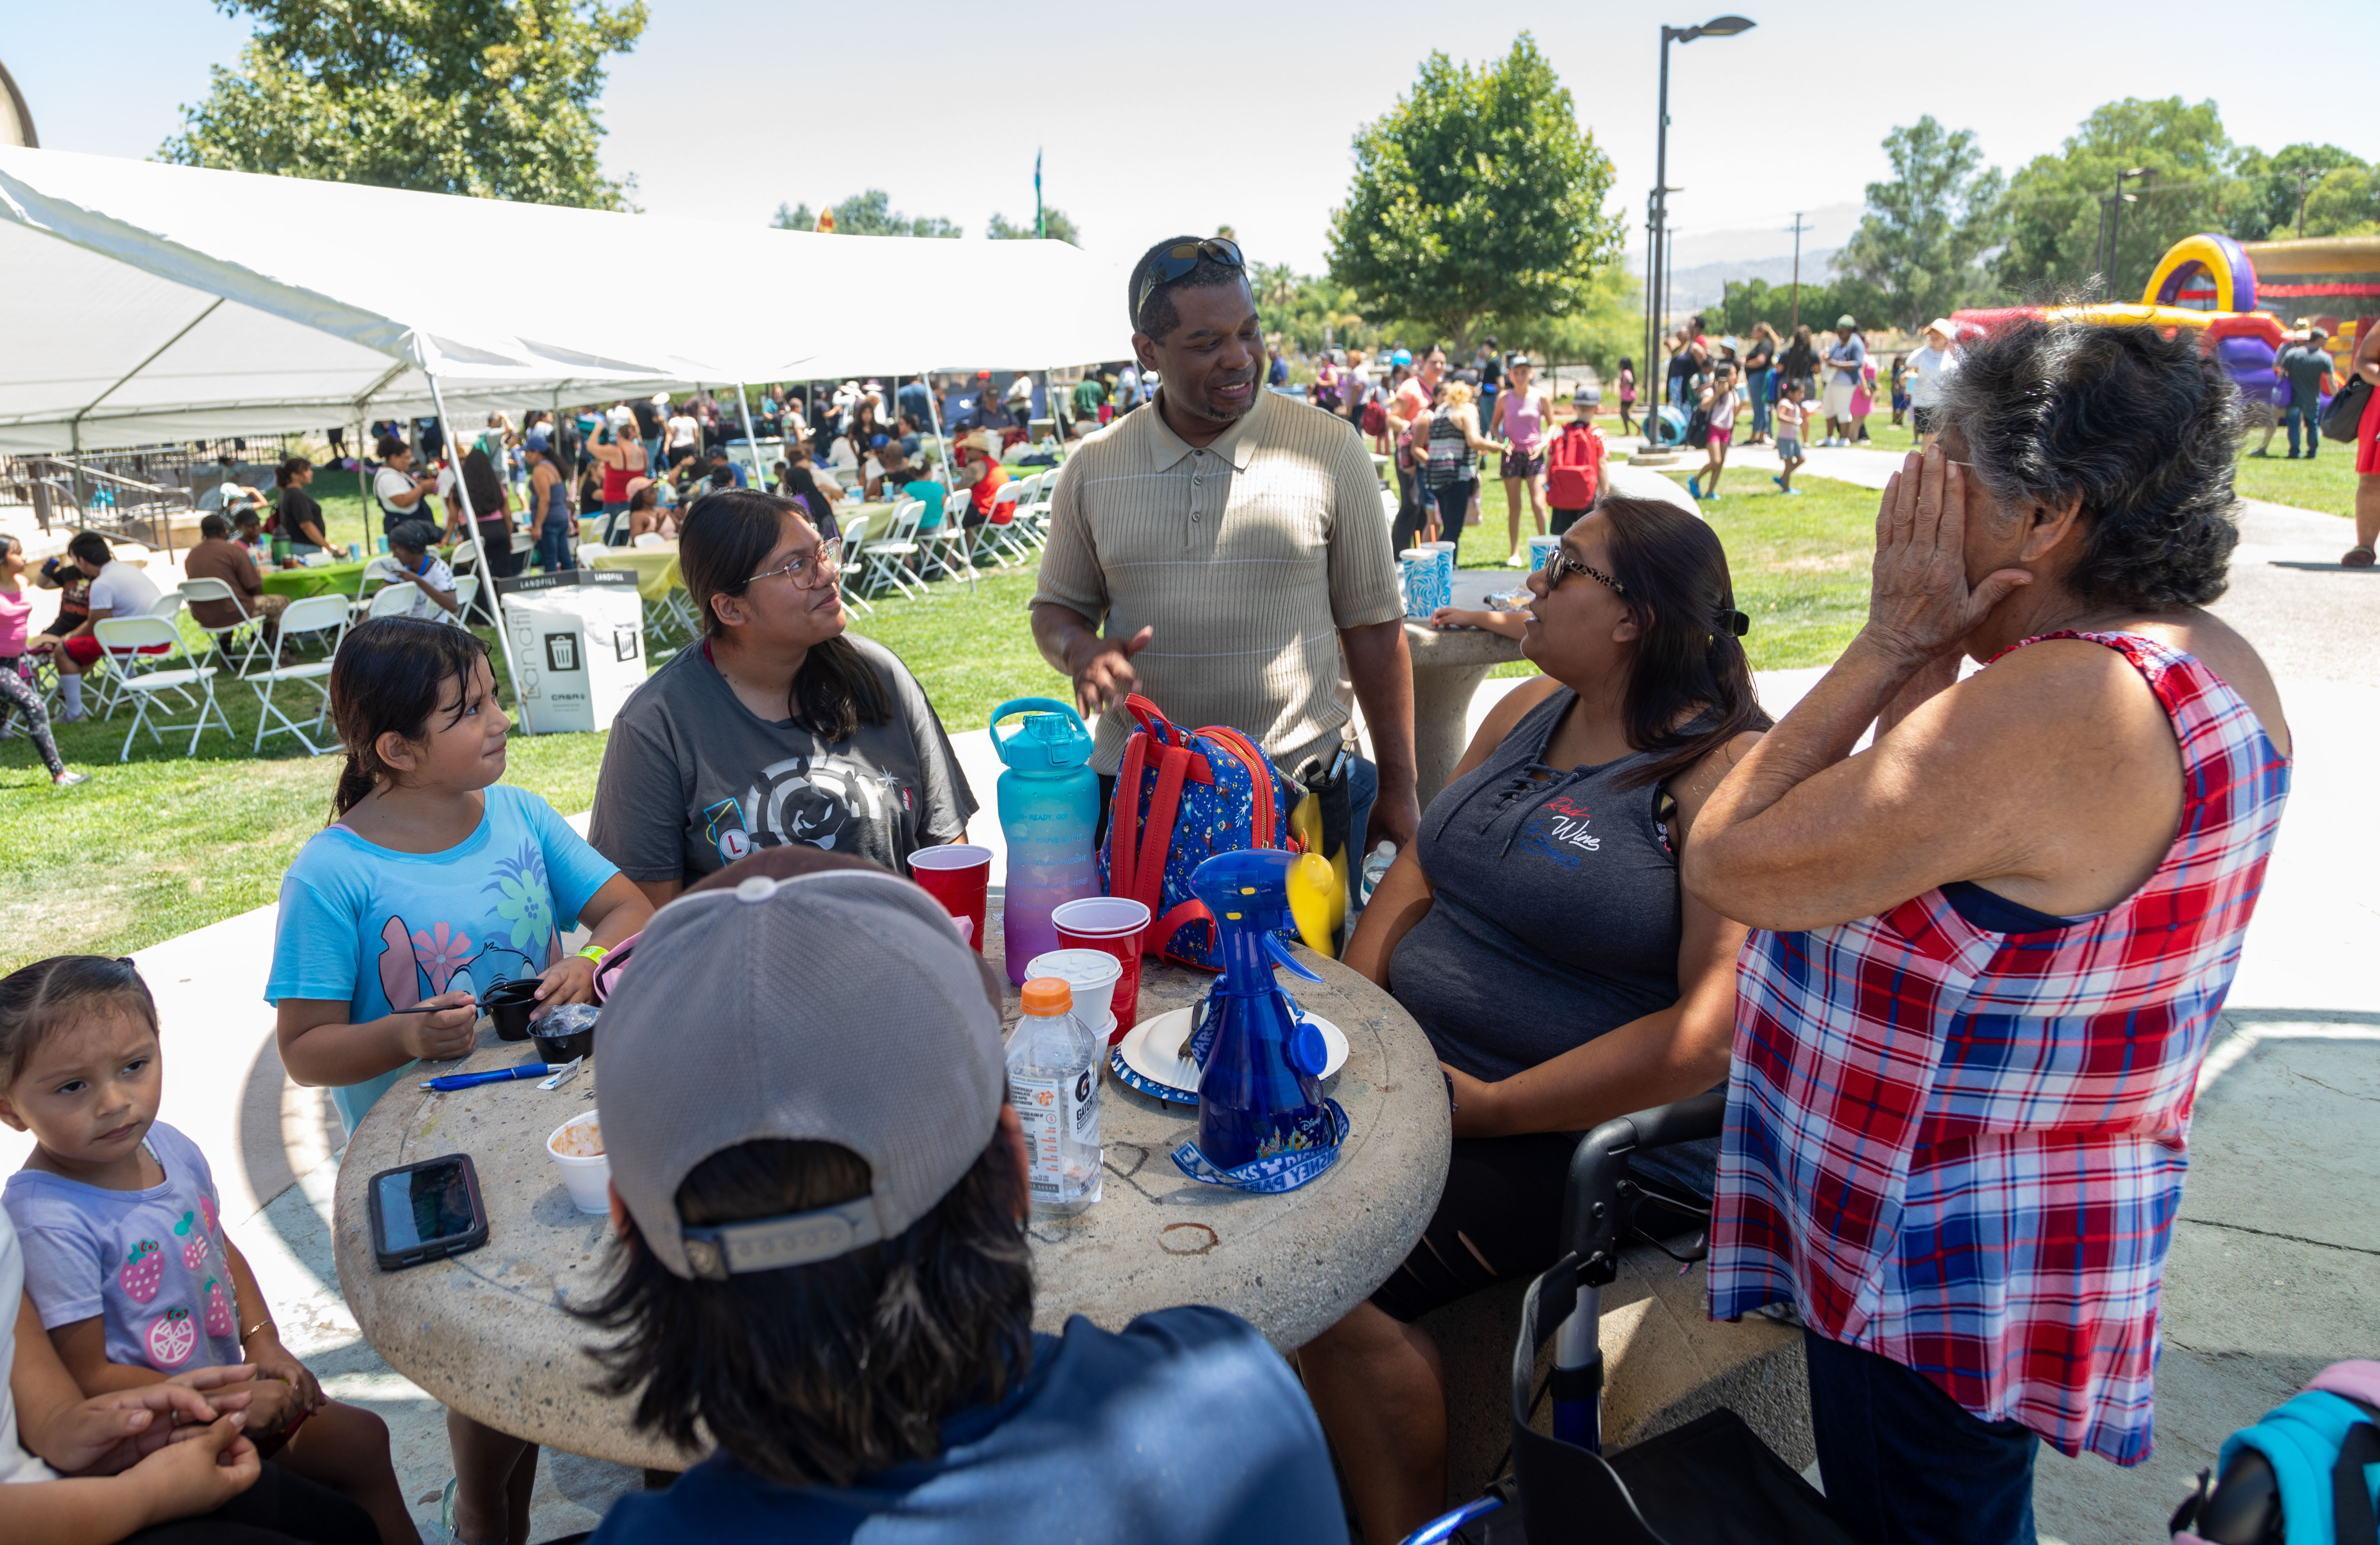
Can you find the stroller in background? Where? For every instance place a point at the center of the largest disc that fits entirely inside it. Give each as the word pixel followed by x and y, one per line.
pixel 1709 1482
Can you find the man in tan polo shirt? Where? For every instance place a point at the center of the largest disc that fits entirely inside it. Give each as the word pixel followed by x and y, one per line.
pixel 1221 555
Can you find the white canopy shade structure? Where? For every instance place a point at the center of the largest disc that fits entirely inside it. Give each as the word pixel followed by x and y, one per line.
pixel 147 302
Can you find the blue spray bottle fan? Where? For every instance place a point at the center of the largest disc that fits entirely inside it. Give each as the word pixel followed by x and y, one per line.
pixel 1259 1100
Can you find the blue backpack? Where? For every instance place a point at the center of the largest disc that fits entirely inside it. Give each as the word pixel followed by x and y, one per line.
pixel 2308 1474
pixel 1181 798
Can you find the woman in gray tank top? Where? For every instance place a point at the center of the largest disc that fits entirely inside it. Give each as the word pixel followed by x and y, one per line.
pixel 1536 932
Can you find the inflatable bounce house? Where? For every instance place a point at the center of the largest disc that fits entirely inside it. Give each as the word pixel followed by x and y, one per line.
pixel 2244 299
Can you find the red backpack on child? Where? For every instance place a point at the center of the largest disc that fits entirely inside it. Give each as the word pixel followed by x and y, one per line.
pixel 1574 466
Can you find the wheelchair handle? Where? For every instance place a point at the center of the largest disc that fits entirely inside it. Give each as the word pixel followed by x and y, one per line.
pixel 1591 1221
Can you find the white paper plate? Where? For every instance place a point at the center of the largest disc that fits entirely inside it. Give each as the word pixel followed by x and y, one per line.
pixel 1149 1050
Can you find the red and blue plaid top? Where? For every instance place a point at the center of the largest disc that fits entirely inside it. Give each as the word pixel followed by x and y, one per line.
pixel 1963 1150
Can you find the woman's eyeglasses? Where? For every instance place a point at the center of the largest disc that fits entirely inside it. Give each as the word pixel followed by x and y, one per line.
pixel 1178 260
pixel 1562 563
pixel 808 570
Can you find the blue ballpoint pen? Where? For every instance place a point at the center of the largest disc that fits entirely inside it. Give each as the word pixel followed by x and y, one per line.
pixel 504 1076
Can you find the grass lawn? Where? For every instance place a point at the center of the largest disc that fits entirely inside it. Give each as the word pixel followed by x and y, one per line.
pixel 2325 484
pixel 161 844
pixel 1800 562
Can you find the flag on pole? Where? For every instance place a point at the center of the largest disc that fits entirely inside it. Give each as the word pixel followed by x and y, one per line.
pixel 1040 223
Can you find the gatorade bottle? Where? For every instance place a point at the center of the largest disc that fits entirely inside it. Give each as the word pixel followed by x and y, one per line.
pixel 1053 1081
pixel 1049 807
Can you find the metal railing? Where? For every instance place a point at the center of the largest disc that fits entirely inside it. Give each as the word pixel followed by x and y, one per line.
pixel 90 494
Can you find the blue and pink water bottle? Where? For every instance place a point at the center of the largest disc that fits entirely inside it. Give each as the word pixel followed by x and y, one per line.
pixel 1049 809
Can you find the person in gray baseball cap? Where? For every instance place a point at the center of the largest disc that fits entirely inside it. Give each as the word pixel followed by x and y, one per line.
pixel 820 1191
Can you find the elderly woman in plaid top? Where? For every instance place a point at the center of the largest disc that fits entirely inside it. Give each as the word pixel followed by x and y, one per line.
pixel 1987 953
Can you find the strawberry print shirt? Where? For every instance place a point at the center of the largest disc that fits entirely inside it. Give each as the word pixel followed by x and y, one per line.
pixel 150 1263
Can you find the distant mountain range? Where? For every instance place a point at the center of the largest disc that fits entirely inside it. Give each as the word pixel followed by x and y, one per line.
pixel 1708 282
pixel 1705 261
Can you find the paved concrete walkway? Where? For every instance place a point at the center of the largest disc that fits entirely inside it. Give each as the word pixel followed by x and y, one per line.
pixel 2272 1260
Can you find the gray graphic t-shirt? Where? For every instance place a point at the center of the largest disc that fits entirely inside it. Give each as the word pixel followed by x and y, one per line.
pixel 693 780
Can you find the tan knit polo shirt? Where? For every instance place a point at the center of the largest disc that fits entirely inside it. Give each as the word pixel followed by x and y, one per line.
pixel 1247 555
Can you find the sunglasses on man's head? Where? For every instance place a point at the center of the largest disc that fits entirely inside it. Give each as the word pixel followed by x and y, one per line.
pixel 1178 260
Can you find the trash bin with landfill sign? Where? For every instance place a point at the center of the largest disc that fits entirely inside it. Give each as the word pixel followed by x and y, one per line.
pixel 578 646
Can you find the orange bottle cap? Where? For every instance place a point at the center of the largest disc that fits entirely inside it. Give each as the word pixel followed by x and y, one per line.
pixel 1046 995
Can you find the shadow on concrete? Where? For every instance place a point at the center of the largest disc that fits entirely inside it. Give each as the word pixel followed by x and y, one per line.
pixel 284 1132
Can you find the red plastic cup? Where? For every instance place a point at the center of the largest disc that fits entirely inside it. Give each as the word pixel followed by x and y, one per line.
pixel 959 876
pixel 1115 926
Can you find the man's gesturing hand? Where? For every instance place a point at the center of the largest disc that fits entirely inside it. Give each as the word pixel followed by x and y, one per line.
pixel 1103 672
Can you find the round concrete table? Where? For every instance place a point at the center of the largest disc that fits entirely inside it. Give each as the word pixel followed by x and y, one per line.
pixel 485 1332
pixel 1448 666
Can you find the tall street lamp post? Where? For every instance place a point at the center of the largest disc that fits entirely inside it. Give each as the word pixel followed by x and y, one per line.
pixel 1656 283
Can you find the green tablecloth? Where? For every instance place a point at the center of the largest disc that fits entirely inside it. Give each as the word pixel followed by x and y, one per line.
pixel 299 583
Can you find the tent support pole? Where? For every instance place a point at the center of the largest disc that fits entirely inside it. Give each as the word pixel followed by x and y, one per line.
pixel 941 441
pixel 751 440
pixel 487 574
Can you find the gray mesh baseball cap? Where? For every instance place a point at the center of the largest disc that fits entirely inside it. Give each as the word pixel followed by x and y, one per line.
pixel 836 1007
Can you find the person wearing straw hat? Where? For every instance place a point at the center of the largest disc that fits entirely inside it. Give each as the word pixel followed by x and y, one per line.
pixel 1933 364
pixel 820 1261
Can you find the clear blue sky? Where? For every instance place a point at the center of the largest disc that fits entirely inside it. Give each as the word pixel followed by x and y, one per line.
pixel 1155 119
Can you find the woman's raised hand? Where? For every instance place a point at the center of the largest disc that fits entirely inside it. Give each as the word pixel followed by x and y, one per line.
pixel 1920 604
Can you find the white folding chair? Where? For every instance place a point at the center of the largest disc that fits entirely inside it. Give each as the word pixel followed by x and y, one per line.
pixel 997 539
pixel 888 560
pixel 472 593
pixel 140 633
pixel 126 662
pixel 316 614
pixel 941 548
pixel 651 539
pixel 854 561
pixel 222 638
pixel 466 593
pixel 390 600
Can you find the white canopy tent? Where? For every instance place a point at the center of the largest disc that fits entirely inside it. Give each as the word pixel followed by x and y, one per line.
pixel 146 302
pixel 149 303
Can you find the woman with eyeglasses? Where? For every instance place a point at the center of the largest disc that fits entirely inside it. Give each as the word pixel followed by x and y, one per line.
pixel 1536 932
pixel 777 726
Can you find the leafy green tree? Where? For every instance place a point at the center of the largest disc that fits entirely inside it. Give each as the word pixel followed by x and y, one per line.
pixel 869 214
pixel 1477 195
pixel 1607 324
pixel 1923 230
pixel 1309 312
pixel 2345 202
pixel 491 98
pixel 2054 202
pixel 2264 207
pixel 1750 300
pixel 1060 228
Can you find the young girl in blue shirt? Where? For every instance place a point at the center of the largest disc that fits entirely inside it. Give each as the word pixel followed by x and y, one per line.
pixel 432 884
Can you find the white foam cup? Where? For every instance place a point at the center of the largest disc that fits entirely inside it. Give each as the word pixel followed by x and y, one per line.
pixel 587 1180
pixel 1091 975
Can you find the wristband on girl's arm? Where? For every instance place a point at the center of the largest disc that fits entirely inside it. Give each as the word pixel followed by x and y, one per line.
pixel 594 953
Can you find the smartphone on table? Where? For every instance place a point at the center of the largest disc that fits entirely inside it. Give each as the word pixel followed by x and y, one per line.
pixel 426 1211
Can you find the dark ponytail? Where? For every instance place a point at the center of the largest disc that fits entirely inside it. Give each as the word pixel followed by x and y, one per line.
pixel 389 676
pixel 1689 662
pixel 722 540
pixel 287 471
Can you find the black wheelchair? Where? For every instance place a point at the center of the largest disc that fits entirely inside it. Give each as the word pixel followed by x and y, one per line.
pixel 1709 1482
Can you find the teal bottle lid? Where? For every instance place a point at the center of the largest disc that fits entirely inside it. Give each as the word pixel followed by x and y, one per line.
pixel 1051 738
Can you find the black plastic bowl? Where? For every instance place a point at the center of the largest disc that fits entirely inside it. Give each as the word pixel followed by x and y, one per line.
pixel 509 1003
pixel 560 1049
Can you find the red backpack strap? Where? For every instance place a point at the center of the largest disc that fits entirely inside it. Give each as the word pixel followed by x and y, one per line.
pixel 1123 819
pixel 1161 931
pixel 1156 835
pixel 1244 751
